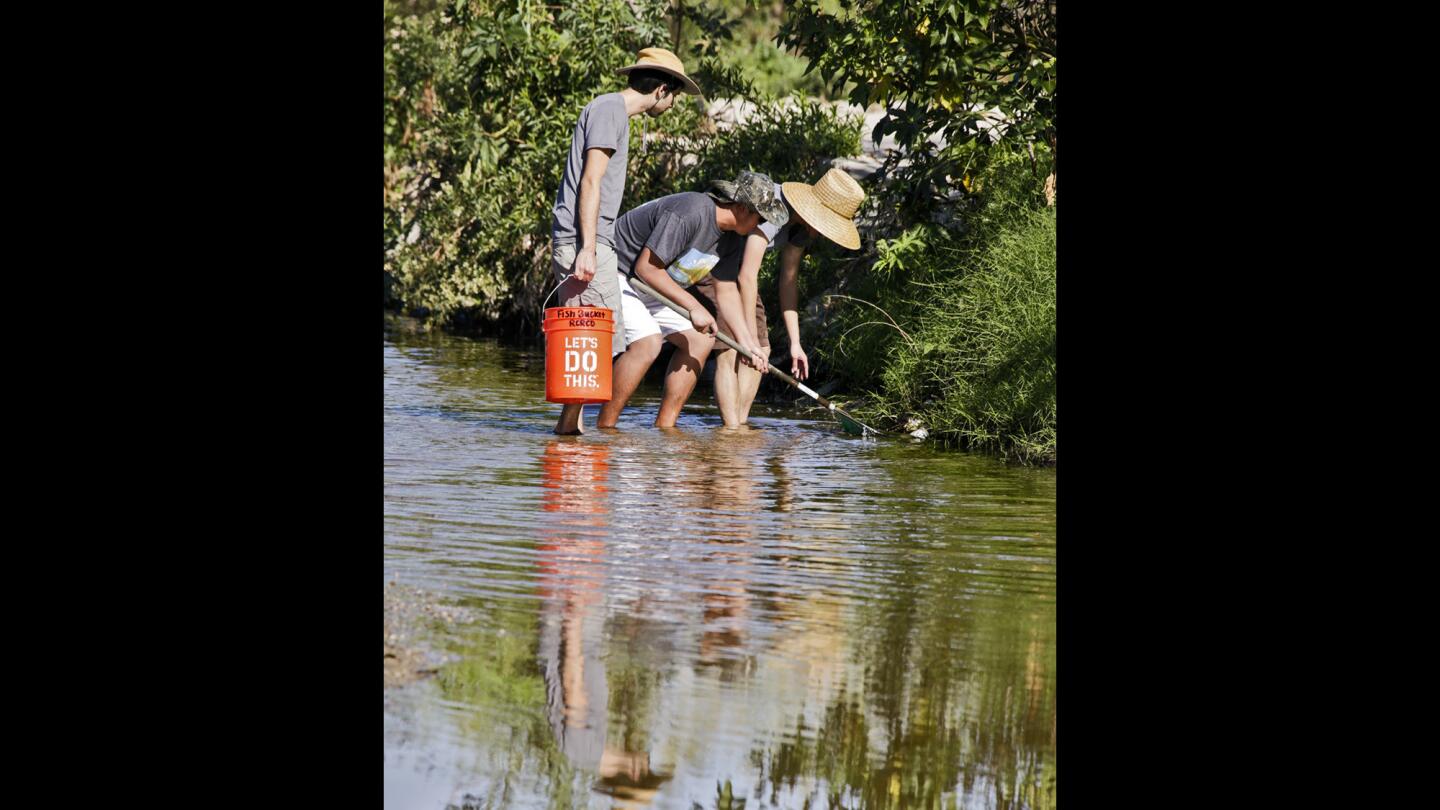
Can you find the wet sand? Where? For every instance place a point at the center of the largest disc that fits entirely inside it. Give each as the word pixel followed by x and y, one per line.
pixel 409 612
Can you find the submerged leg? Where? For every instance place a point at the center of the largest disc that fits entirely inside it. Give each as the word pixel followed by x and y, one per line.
pixel 572 420
pixel 749 380
pixel 727 387
pixel 629 369
pixel 691 349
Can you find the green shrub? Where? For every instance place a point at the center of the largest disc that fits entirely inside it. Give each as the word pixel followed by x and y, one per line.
pixel 789 140
pixel 978 368
pixel 480 101
pixel 936 64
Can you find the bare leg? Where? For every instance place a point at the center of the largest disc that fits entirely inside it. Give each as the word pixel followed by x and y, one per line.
pixel 749 380
pixel 727 388
pixel 572 420
pixel 625 377
pixel 691 349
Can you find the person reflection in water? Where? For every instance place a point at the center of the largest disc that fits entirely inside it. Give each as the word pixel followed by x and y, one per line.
pixel 730 456
pixel 572 575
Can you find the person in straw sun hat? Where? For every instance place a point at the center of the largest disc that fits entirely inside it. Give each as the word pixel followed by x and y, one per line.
pixel 665 62
pixel 827 208
pixel 582 223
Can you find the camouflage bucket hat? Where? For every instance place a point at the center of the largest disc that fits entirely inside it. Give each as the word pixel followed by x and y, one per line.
pixel 755 190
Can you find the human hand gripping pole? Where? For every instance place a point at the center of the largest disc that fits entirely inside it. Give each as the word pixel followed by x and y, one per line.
pixel 849 423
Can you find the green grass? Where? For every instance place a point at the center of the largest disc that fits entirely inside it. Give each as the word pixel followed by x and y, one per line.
pixel 977 363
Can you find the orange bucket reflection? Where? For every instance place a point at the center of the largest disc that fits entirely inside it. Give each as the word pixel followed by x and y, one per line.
pixel 574 475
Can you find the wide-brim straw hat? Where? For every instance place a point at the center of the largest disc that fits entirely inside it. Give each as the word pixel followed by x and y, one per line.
pixel 829 206
pixel 665 62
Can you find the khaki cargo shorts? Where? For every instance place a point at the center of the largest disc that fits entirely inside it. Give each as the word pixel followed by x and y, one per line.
pixel 602 291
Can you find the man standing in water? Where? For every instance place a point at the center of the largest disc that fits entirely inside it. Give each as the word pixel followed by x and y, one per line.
pixel 669 244
pixel 582 225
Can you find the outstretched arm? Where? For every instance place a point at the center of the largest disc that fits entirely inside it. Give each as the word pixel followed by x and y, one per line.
pixel 790 257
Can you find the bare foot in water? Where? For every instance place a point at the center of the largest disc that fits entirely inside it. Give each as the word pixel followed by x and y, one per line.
pixel 572 421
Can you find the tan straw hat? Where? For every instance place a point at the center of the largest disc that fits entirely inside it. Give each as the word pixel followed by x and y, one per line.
pixel 829 206
pixel 665 62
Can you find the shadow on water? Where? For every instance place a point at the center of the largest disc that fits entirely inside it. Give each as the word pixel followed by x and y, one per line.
pixel 771 617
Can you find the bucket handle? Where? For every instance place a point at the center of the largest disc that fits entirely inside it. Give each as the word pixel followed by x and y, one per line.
pixel 563 279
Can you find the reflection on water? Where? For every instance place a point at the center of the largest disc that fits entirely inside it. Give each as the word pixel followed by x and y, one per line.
pixel 572 636
pixel 771 617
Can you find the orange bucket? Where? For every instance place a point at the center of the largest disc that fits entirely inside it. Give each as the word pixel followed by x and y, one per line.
pixel 577 354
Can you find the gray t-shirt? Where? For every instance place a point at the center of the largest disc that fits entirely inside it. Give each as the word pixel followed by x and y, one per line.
pixel 603 124
pixel 679 229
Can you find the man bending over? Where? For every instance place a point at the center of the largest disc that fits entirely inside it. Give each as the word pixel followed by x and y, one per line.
pixel 669 244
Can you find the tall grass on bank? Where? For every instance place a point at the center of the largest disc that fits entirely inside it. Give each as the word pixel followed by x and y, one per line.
pixel 979 367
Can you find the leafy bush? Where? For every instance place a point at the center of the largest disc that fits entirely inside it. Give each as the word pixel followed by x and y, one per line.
pixel 936 64
pixel 480 101
pixel 978 365
pixel 793 139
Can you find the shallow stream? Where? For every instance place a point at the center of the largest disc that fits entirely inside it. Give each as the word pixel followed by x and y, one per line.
pixel 779 617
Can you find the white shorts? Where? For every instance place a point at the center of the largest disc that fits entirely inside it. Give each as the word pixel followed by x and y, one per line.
pixel 644 316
